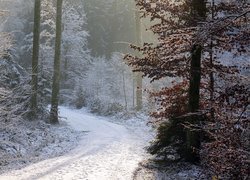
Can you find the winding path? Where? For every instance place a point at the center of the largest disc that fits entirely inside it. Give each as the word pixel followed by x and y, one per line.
pixel 107 152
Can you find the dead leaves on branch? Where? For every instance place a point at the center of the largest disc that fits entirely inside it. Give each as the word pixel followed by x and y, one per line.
pixel 227 152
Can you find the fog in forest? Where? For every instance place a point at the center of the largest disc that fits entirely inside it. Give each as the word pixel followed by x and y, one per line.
pixel 96 35
pixel 124 89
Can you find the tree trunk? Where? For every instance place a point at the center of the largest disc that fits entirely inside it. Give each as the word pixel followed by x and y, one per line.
pixel 211 73
pixel 138 91
pixel 65 67
pixel 198 13
pixel 139 74
pixel 193 137
pixel 198 10
pixel 56 75
pixel 35 57
pixel 133 102
pixel 124 90
pixel 195 78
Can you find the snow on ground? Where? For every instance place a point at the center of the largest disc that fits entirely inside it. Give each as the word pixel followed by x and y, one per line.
pixel 149 170
pixel 107 151
pixel 25 142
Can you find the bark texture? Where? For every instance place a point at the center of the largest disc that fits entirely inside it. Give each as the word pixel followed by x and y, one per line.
pixel 56 75
pixel 35 56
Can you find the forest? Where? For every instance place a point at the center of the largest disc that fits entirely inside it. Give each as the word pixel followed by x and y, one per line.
pixel 125 89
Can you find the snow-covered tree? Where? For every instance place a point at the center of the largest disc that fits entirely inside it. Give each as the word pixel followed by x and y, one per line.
pixel 17 22
pixel 5 38
pixel 5 43
pixel 109 85
pixel 75 54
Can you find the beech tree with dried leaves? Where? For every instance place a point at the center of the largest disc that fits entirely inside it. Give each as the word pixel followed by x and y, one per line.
pixel 222 116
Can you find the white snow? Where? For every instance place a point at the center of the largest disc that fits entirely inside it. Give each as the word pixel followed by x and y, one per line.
pixel 107 152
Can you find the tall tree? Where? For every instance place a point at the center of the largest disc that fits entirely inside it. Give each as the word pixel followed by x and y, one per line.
pixel 138 75
pixel 56 75
pixel 178 31
pixel 193 139
pixel 35 56
pixel 198 14
pixel 176 24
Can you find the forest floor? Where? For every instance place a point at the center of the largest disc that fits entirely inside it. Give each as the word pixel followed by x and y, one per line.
pixel 102 148
pixel 106 151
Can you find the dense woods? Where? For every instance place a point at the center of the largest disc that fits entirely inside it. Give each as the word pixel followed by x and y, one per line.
pixel 187 66
pixel 193 36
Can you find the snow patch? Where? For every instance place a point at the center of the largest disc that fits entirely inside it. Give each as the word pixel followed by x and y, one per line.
pixel 24 142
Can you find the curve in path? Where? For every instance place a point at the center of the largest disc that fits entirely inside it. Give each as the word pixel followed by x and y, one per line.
pixel 108 152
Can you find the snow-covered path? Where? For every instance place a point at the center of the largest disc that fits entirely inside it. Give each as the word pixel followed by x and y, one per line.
pixel 107 152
